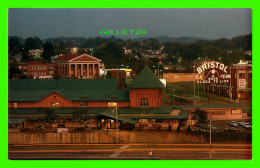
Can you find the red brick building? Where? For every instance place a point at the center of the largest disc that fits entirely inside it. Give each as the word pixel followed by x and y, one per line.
pixel 144 91
pixel 38 70
pixel 78 66
pixel 241 83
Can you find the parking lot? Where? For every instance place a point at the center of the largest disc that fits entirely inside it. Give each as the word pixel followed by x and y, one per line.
pixel 224 124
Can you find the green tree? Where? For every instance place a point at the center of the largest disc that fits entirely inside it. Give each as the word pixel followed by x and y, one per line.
pixel 192 51
pixel 48 50
pixel 13 69
pixel 80 114
pixel 50 116
pixel 200 116
pixel 14 44
pixel 32 43
pixel 152 44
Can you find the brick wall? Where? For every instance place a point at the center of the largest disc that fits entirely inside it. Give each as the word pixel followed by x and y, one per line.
pixel 62 102
pixel 154 97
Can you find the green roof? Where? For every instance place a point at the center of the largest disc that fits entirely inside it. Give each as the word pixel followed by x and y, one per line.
pixel 146 79
pixel 124 114
pixel 72 89
pixel 121 118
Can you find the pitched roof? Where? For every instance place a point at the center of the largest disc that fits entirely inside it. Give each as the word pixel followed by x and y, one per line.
pixel 146 79
pixel 125 114
pixel 72 89
pixel 77 57
pixel 35 63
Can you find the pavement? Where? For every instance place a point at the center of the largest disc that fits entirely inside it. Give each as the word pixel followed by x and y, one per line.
pixel 131 152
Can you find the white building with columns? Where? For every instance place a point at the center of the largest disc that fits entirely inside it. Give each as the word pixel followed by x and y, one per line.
pixel 81 66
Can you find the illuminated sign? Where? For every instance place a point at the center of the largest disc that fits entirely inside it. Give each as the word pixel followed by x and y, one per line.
pixel 242 83
pixel 128 70
pixel 214 72
pixel 212 65
pixel 236 112
pixel 62 130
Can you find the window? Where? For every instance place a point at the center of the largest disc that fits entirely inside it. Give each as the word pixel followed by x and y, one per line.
pixel 15 105
pixel 144 102
pixel 41 67
pixel 38 67
pixel 242 76
pixel 55 104
pixel 44 67
pixel 83 104
pixel 31 67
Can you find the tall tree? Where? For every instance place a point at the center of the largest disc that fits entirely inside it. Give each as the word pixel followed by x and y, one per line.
pixel 13 44
pixel 32 43
pixel 48 50
pixel 50 117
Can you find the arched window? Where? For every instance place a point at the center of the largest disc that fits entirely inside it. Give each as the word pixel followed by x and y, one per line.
pixel 144 102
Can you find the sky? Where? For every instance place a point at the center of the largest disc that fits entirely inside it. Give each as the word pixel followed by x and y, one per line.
pixel 174 22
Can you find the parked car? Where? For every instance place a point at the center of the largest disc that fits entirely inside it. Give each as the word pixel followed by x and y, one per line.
pixel 240 122
pixel 232 129
pixel 247 125
pixel 212 127
pixel 233 124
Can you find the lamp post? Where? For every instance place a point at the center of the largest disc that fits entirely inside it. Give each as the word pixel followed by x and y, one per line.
pixel 210 145
pixel 230 89
pixel 194 85
pixel 117 70
pixel 114 104
pixel 157 70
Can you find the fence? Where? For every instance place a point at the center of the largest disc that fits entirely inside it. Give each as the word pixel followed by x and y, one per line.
pixel 104 137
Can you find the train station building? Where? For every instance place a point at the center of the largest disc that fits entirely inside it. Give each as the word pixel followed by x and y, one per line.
pixel 138 104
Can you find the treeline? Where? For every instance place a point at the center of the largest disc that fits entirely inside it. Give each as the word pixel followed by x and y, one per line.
pixel 111 50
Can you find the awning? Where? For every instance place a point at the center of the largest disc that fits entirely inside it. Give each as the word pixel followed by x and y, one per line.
pixel 113 115
pixel 15 121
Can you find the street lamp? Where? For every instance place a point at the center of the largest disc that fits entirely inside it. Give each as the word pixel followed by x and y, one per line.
pixel 210 145
pixel 194 85
pixel 114 104
pixel 117 70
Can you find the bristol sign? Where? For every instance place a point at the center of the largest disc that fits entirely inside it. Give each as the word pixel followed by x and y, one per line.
pixel 214 72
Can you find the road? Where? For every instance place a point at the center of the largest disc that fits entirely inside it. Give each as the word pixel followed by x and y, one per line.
pixel 132 152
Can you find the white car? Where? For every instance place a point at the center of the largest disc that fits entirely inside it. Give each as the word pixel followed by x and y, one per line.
pixel 212 127
pixel 233 124
pixel 240 122
pixel 247 125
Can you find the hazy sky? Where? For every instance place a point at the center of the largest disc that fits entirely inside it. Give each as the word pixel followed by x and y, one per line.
pixel 206 23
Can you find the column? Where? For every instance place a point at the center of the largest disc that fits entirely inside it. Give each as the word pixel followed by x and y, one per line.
pixel 87 75
pixel 81 69
pixel 98 71
pixel 76 74
pixel 93 68
pixel 69 70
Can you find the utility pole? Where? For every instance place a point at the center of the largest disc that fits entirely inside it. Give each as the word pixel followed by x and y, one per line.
pixel 194 86
pixel 210 145
pixel 116 124
pixel 198 90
